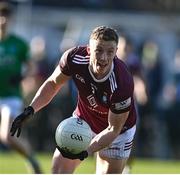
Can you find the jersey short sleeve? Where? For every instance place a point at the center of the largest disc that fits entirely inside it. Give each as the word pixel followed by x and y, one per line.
pixel 121 105
pixel 66 61
pixel 122 98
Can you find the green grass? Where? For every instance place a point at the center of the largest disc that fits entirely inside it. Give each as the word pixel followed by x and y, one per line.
pixel 11 163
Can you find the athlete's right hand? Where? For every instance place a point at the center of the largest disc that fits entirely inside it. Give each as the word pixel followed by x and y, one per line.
pixel 81 156
pixel 20 119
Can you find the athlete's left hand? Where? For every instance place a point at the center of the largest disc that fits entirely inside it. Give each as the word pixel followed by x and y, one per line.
pixel 81 156
pixel 20 120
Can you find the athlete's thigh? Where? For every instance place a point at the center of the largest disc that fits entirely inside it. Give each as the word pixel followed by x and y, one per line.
pixel 105 165
pixel 63 165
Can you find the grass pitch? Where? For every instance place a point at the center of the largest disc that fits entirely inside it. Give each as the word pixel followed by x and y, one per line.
pixel 12 163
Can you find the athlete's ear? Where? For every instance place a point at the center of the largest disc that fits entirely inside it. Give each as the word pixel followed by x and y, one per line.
pixel 88 49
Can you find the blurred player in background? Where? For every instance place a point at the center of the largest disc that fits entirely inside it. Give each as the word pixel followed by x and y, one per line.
pixel 105 102
pixel 126 52
pixel 13 56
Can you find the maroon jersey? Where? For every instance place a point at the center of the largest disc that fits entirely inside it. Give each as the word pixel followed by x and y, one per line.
pixel 96 97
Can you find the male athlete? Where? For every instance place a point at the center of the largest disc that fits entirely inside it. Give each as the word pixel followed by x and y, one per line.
pixel 105 102
pixel 13 56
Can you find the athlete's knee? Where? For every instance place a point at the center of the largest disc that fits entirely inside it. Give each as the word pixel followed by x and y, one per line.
pixel 107 165
pixel 63 167
pixel 59 167
pixel 55 162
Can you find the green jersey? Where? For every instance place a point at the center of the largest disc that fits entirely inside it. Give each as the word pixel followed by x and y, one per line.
pixel 13 53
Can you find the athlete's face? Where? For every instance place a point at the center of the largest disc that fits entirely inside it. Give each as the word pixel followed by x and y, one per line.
pixel 101 56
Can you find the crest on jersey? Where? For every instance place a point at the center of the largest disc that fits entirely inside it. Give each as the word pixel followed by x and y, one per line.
pixel 105 98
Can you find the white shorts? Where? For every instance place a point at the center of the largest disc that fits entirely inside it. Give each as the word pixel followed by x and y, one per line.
pixel 121 146
pixel 10 106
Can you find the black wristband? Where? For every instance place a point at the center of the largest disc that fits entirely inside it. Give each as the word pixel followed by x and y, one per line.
pixel 29 110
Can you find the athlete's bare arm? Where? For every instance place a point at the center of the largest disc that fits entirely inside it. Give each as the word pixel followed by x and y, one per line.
pixel 49 89
pixel 106 137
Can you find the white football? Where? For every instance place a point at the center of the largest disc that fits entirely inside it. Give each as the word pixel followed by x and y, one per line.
pixel 73 134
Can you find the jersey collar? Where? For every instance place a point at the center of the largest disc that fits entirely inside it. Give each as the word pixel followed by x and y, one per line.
pixel 103 79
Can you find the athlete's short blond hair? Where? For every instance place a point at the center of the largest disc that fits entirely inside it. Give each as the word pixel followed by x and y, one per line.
pixel 104 33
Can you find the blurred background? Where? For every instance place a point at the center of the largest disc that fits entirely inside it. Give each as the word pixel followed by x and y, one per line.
pixel 149 34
